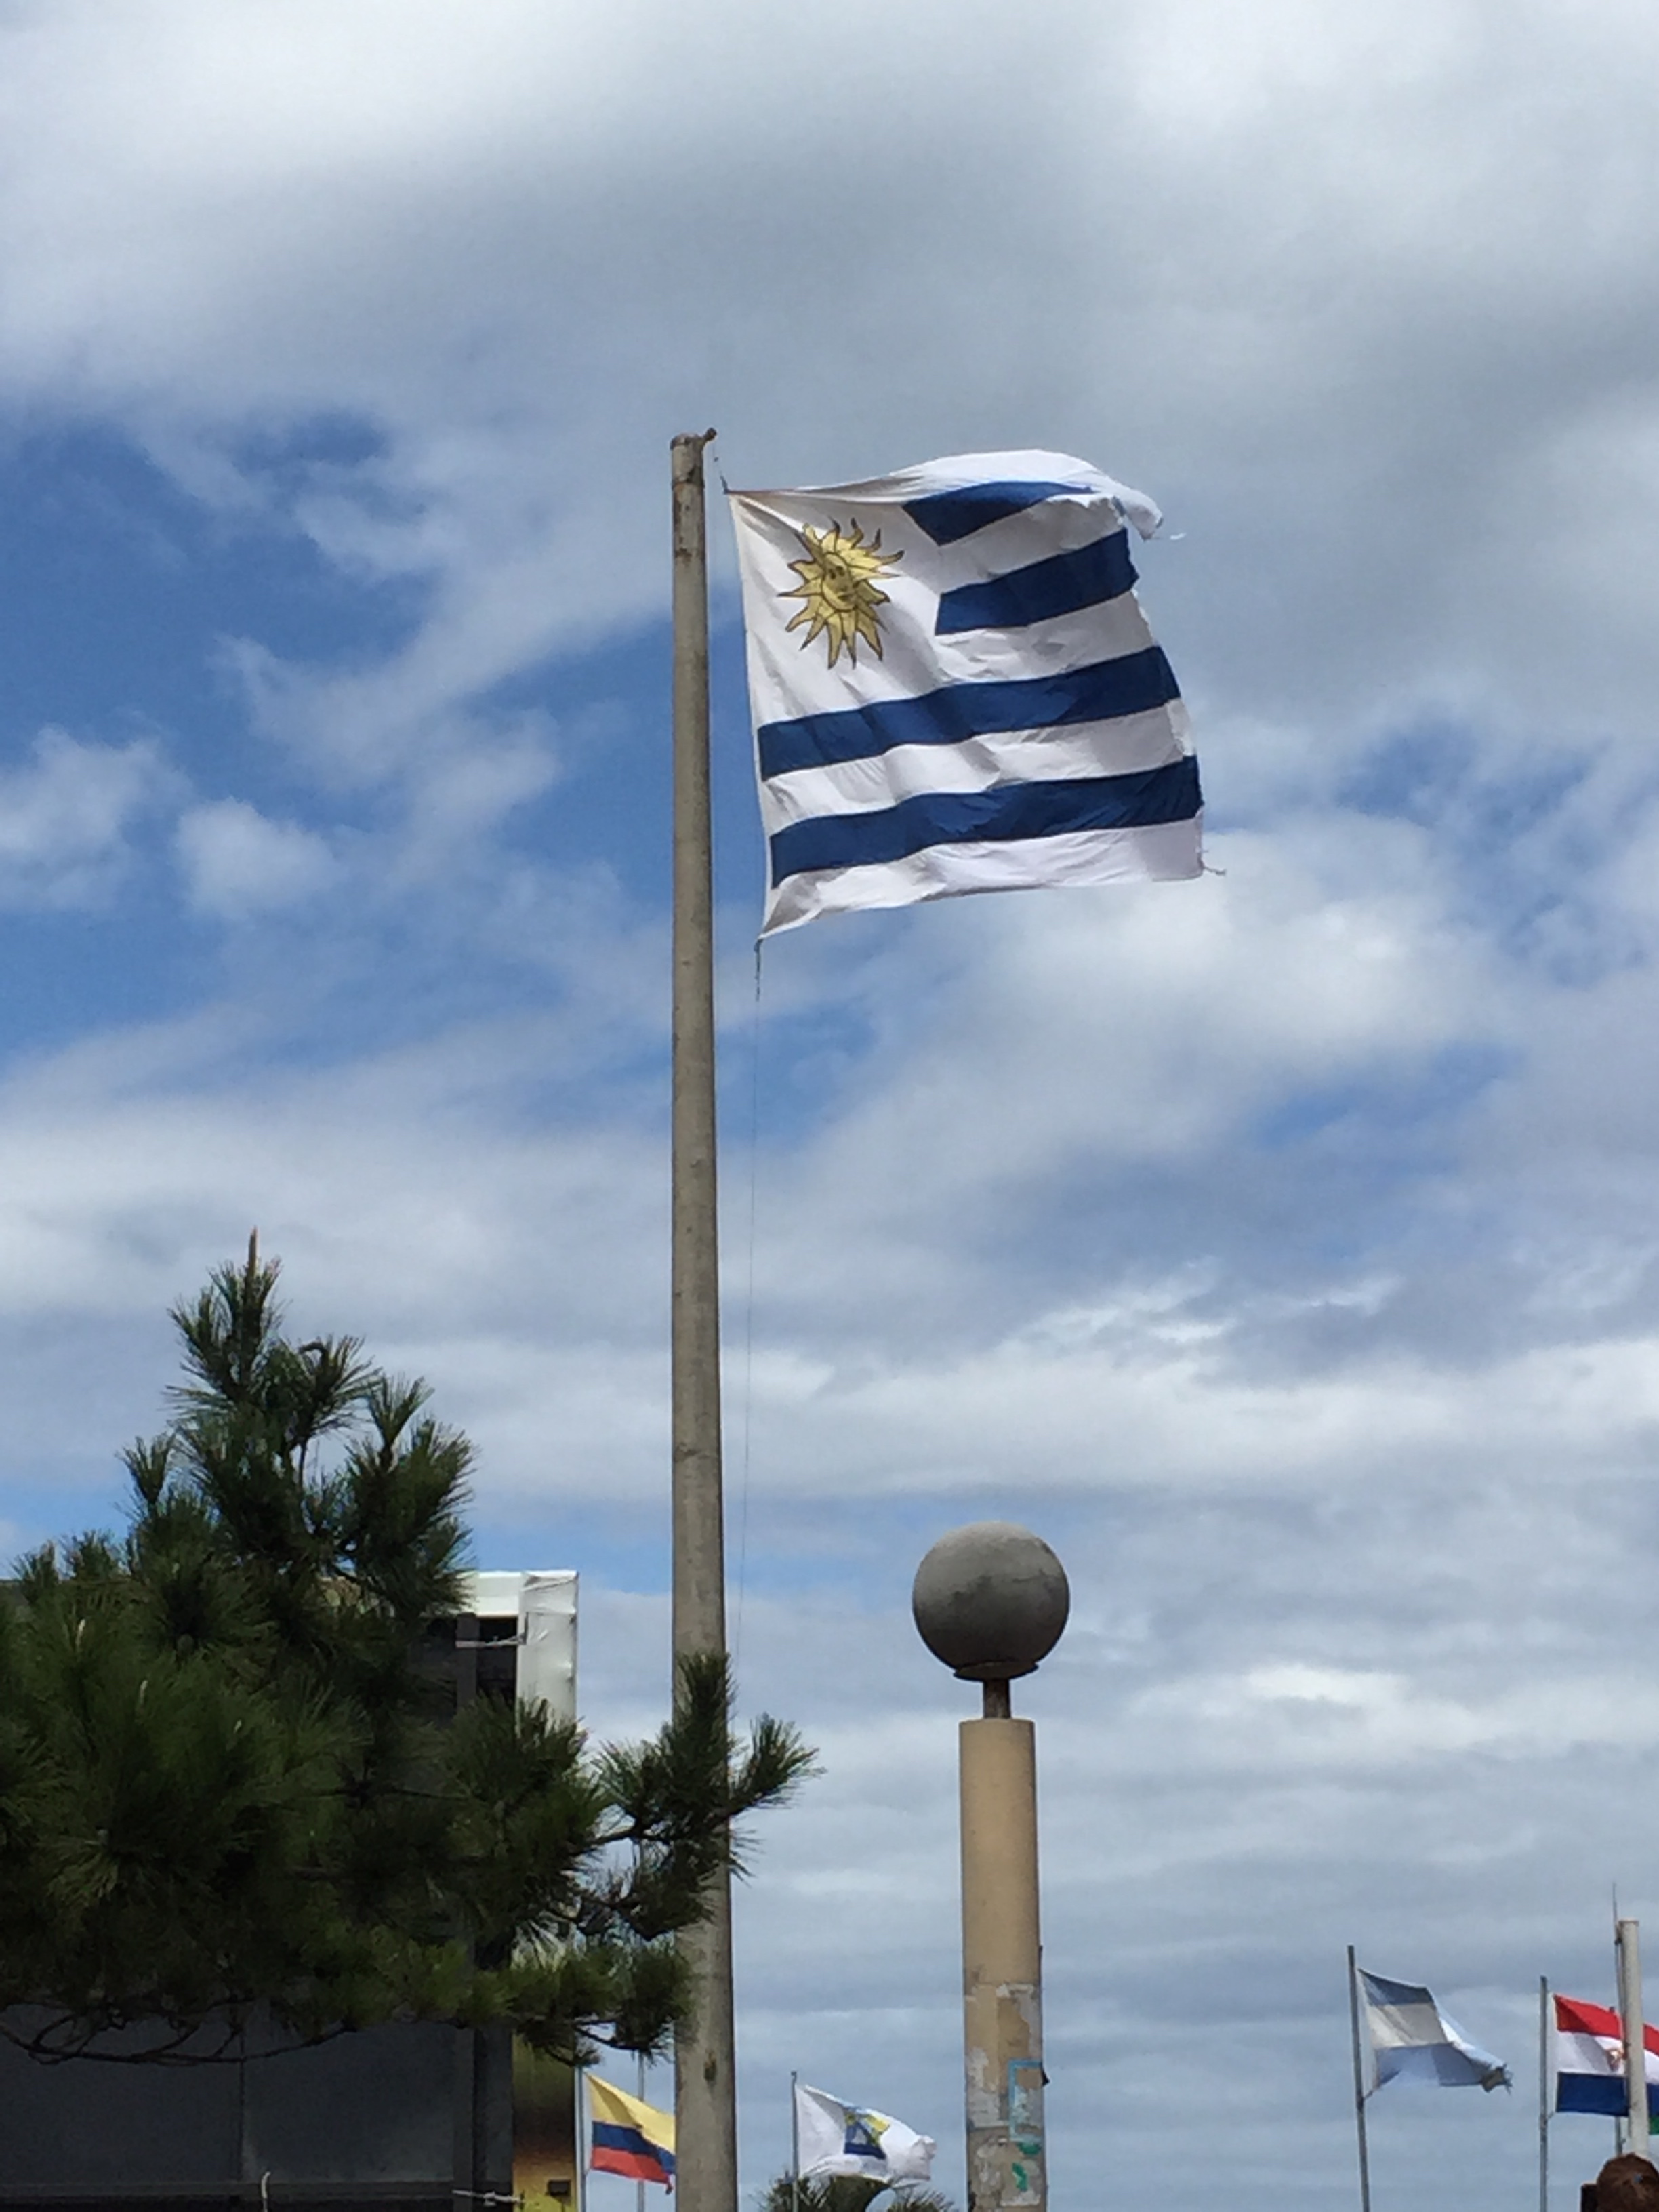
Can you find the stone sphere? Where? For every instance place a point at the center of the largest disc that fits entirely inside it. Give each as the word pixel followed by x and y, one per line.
pixel 990 1601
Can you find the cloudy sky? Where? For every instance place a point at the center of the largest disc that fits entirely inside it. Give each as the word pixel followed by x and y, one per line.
pixel 1284 1246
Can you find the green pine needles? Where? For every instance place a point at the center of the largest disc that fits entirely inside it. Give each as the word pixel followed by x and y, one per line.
pixel 233 1782
pixel 849 2192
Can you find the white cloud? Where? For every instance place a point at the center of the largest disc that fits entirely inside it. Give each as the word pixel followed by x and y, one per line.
pixel 65 817
pixel 1285 1244
pixel 1353 297
pixel 237 862
pixel 1350 1637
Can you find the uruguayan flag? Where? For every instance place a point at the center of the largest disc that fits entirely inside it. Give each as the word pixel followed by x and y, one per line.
pixel 954 688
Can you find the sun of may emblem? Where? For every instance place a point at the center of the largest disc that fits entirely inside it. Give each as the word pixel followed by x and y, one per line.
pixel 840 589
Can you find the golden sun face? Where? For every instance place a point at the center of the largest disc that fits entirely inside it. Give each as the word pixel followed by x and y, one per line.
pixel 839 589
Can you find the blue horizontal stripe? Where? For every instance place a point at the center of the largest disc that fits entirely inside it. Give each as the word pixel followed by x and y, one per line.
pixel 1106 689
pixel 948 515
pixel 1058 585
pixel 1432 2062
pixel 632 2142
pixel 1598 2092
pixel 1380 1990
pixel 1002 816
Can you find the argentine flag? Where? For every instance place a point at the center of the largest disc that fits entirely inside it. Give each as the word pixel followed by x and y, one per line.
pixel 1412 2037
pixel 954 688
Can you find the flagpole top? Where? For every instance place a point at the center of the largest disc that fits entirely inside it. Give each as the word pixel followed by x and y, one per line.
pixel 990 1601
pixel 687 448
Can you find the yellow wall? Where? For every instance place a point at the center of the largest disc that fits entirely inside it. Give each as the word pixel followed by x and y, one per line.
pixel 544 2129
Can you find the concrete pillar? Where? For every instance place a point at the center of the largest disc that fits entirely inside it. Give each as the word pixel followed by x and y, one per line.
pixel 1001 1966
pixel 991 1601
pixel 1627 1949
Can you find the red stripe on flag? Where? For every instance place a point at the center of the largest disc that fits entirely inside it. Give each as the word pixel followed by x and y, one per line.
pixel 1574 2017
pixel 636 2165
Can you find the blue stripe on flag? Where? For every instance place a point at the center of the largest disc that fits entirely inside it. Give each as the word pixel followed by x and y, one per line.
pixel 1128 685
pixel 1001 816
pixel 948 515
pixel 628 2142
pixel 1058 585
pixel 1598 2092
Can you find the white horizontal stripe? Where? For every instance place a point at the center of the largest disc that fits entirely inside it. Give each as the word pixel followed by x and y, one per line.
pixel 1077 750
pixel 1585 2054
pixel 1404 2026
pixel 961 471
pixel 1594 2054
pixel 788 683
pixel 1035 533
pixel 1164 852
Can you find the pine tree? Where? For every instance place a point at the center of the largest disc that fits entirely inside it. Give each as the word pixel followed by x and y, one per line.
pixel 849 2192
pixel 232 1779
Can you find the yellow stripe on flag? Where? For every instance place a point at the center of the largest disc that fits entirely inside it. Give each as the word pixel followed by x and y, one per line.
pixel 607 2103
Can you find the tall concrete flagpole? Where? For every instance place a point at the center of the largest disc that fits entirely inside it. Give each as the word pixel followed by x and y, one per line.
pixel 705 2101
pixel 1627 1945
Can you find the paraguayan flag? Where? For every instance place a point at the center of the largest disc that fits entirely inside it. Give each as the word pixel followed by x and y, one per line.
pixel 954 688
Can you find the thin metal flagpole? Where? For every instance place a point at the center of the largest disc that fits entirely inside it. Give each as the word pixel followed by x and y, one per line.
pixel 639 2091
pixel 1543 2093
pixel 1358 2085
pixel 705 2098
pixel 795 2142
pixel 584 2147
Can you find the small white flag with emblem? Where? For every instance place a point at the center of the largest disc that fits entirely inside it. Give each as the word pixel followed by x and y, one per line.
pixel 954 688
pixel 836 2138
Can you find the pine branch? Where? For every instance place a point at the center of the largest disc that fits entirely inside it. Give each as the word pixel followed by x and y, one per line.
pixel 231 1783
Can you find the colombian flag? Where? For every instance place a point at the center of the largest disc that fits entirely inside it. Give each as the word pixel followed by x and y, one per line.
pixel 628 2137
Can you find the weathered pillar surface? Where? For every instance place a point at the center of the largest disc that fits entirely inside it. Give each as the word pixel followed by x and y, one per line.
pixel 990 1601
pixel 1002 1966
